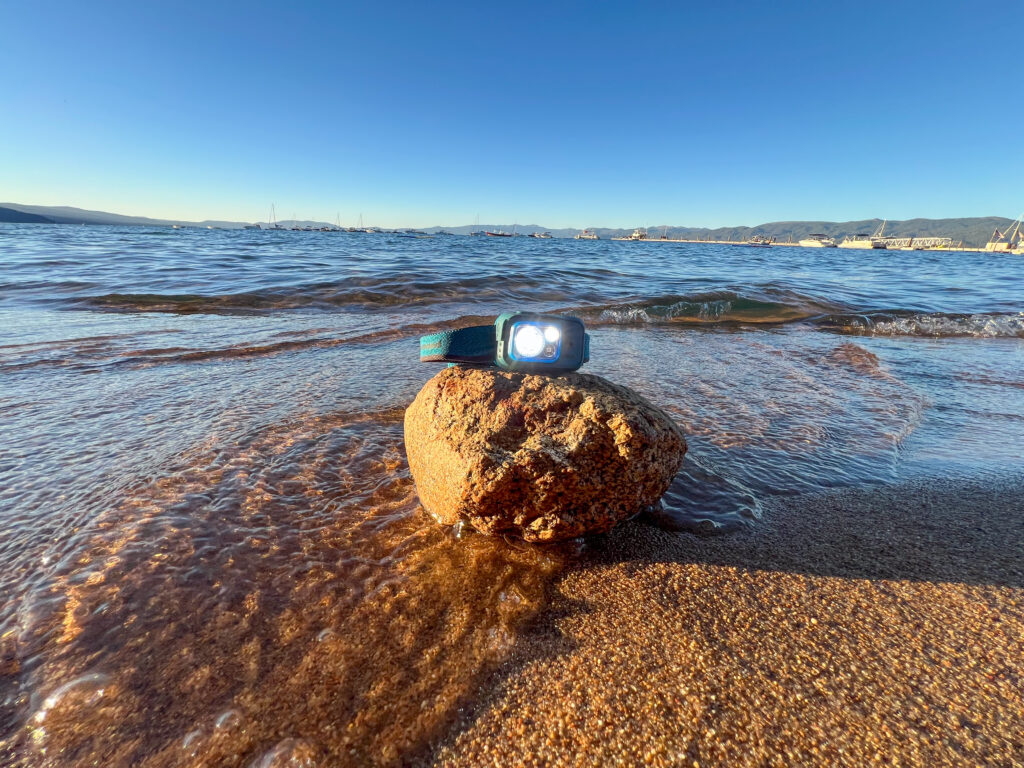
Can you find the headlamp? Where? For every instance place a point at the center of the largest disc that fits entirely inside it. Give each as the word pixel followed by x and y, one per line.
pixel 518 341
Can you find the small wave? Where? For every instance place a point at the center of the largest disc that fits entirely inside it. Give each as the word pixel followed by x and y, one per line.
pixel 75 355
pixel 150 357
pixel 780 307
pixel 354 293
pixel 719 307
pixel 933 324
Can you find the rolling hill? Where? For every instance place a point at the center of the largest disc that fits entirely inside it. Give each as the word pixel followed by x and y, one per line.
pixel 971 232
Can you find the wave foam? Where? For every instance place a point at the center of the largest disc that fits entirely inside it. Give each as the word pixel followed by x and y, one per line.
pixel 708 309
pixel 936 324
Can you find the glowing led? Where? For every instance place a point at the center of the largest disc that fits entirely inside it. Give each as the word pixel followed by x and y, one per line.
pixel 529 341
pixel 551 334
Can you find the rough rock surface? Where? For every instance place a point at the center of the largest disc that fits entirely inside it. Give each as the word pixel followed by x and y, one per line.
pixel 544 458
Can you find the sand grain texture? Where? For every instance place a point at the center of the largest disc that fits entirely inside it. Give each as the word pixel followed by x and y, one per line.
pixel 862 627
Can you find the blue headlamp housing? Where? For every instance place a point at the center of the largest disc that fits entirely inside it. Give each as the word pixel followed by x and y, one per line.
pixel 527 342
pixel 536 343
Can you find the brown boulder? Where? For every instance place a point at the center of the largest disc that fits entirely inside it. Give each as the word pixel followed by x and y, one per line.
pixel 541 457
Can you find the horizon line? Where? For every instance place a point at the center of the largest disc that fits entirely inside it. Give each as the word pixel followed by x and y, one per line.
pixel 207 221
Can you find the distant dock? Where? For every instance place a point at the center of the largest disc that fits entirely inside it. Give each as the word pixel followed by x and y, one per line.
pixel 685 240
pixel 904 244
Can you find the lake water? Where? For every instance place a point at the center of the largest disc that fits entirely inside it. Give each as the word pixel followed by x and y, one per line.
pixel 211 551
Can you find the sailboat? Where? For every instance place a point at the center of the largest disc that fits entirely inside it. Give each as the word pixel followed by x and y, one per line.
pixel 1002 242
pixel 878 239
pixel 273 219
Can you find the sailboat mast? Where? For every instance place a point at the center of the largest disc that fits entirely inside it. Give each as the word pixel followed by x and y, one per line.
pixel 1016 229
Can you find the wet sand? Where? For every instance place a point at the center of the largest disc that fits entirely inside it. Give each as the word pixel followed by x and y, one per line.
pixel 858 627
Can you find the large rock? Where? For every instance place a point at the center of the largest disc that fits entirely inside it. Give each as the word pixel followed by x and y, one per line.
pixel 541 457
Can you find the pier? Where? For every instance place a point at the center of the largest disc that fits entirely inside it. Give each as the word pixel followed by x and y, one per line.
pixel 890 243
pixel 917 243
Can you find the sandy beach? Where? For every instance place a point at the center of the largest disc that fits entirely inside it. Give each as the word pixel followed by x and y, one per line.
pixel 859 627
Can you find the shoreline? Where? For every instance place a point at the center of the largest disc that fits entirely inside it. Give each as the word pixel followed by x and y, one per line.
pixel 791 244
pixel 853 627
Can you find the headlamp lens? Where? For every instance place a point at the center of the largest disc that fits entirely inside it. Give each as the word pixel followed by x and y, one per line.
pixel 529 340
pixel 551 334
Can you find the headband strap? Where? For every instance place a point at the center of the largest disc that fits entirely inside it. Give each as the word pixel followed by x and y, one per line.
pixel 476 344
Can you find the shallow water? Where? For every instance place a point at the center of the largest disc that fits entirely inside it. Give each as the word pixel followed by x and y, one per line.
pixel 211 550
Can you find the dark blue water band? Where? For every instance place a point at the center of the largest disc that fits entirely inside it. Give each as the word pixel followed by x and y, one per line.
pixel 476 344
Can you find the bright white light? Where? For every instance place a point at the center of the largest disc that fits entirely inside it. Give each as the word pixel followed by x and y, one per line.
pixel 529 341
pixel 551 334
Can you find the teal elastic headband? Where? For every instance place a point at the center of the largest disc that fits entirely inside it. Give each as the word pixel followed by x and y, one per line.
pixel 476 344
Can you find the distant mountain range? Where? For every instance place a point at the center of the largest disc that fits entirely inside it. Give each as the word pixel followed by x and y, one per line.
pixel 65 215
pixel 971 232
pixel 13 216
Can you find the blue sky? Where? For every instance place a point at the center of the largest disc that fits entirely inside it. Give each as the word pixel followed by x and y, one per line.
pixel 560 114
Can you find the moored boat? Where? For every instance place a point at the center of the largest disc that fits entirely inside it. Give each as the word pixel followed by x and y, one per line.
pixel 858 241
pixel 755 241
pixel 586 234
pixel 817 241
pixel 866 242
pixel 1003 242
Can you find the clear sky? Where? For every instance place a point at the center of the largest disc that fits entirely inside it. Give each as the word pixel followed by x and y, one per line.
pixel 559 114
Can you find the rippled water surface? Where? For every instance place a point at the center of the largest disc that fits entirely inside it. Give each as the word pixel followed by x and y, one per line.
pixel 211 550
